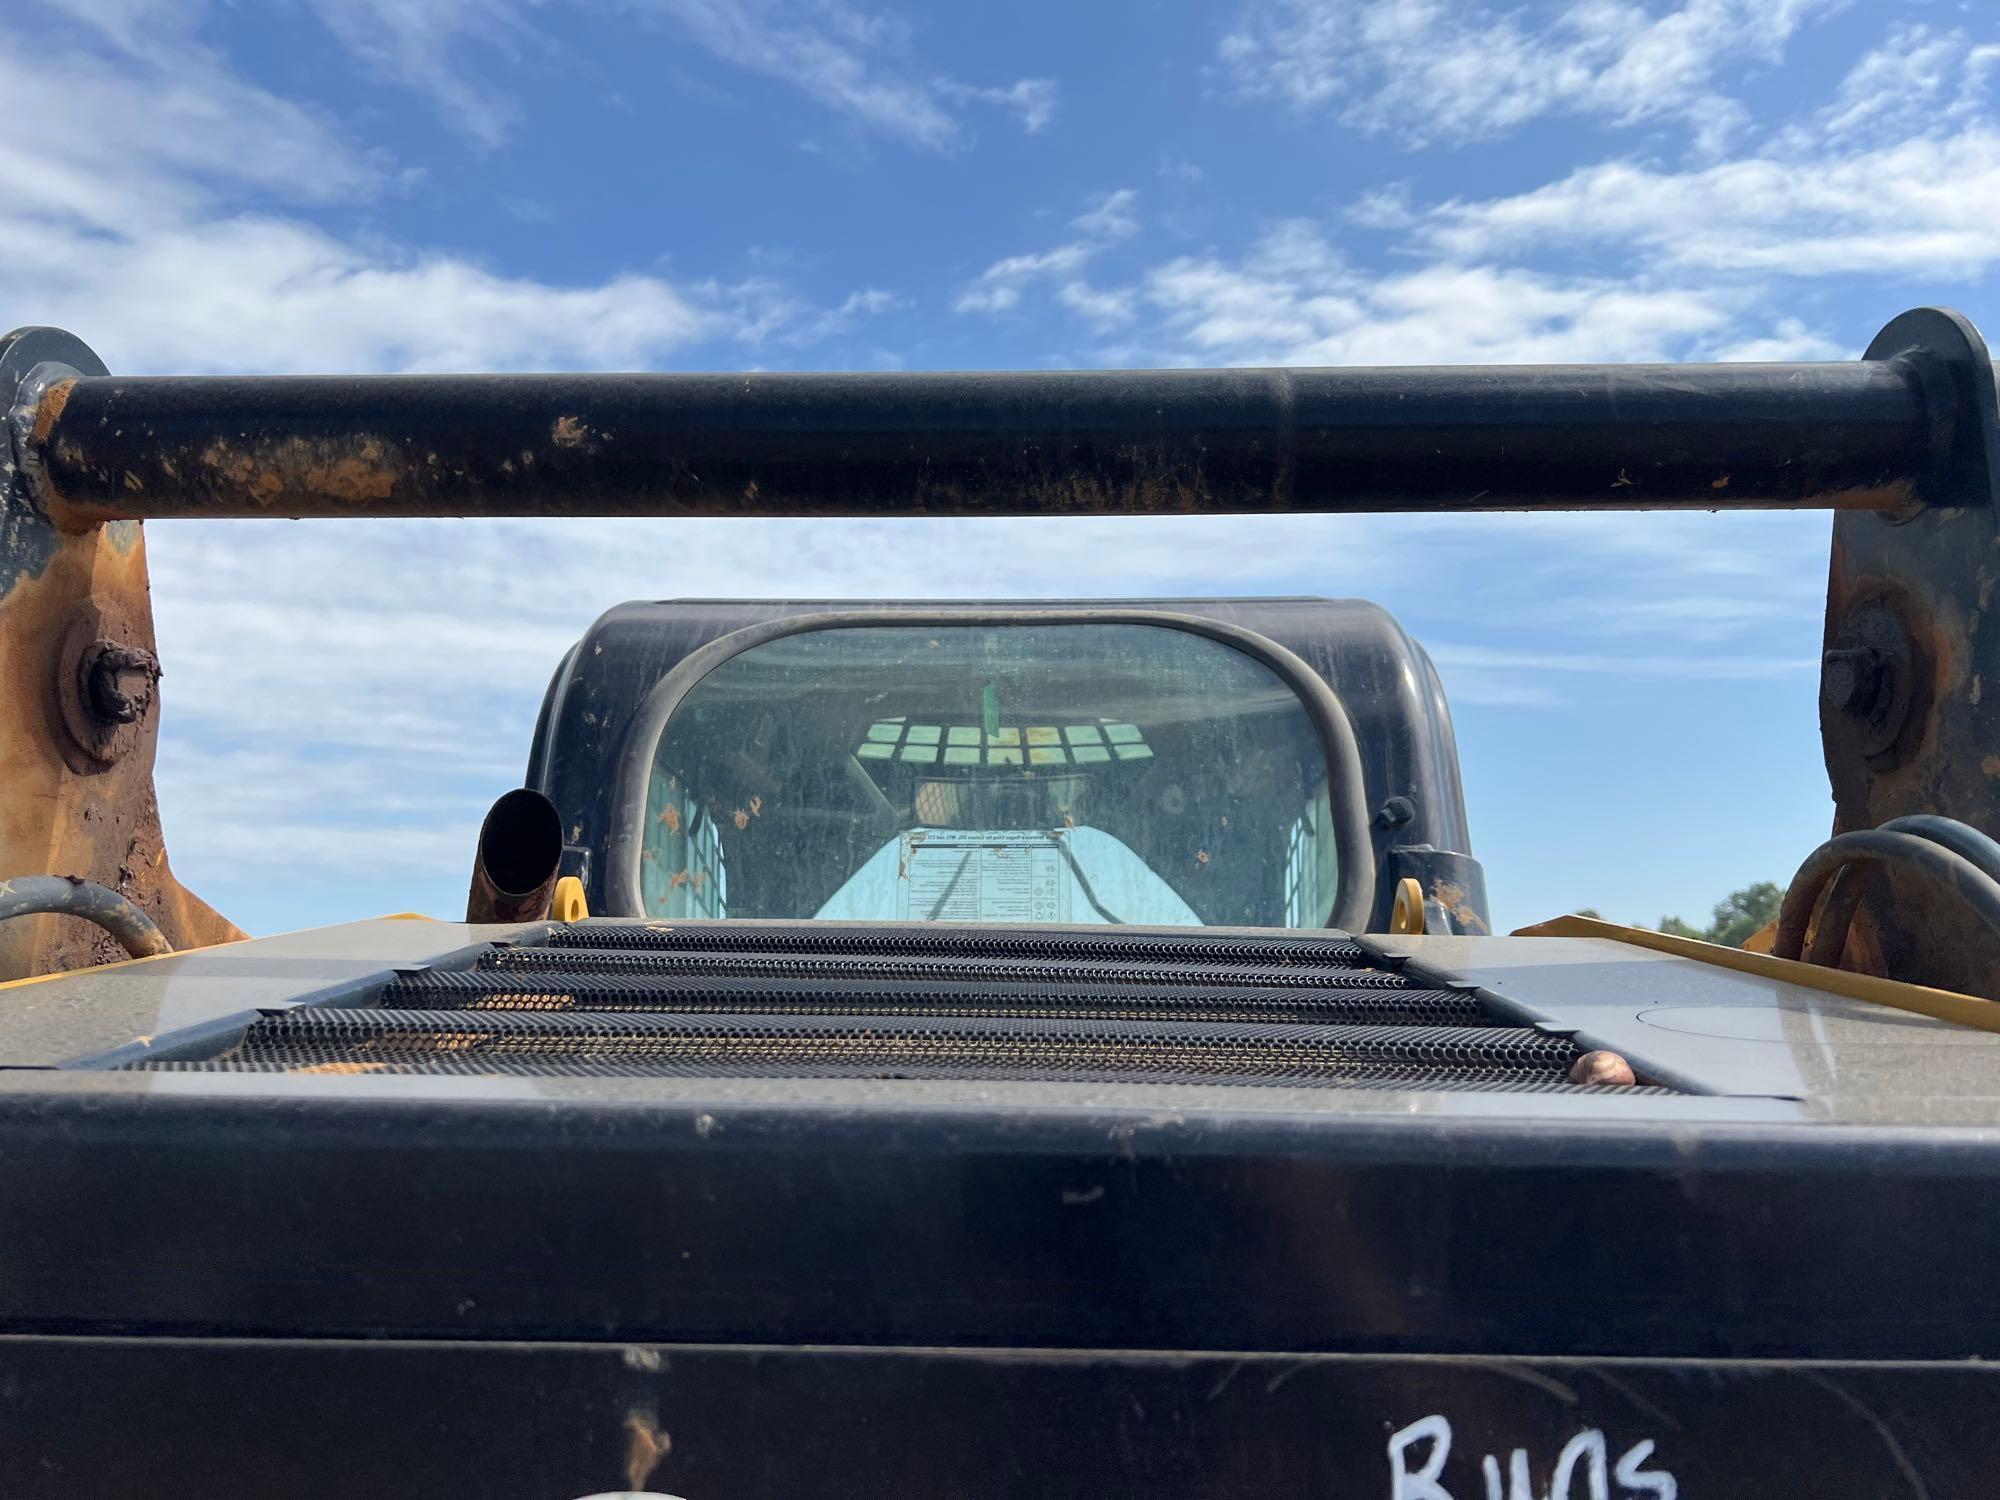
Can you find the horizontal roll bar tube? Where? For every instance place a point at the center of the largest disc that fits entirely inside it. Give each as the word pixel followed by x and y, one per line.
pixel 1855 435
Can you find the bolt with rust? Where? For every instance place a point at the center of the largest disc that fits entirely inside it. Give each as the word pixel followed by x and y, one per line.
pixel 119 681
pixel 1603 1068
pixel 1851 679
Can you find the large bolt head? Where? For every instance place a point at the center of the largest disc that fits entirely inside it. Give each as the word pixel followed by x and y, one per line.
pixel 1851 679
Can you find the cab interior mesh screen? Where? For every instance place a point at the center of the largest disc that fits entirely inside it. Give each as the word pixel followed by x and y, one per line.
pixel 795 1000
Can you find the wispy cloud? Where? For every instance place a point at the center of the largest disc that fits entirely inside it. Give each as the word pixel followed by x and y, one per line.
pixel 1427 70
pixel 136 119
pixel 1292 298
pixel 1923 205
pixel 128 212
pixel 1919 81
pixel 861 64
pixel 436 46
pixel 1033 99
pixel 998 289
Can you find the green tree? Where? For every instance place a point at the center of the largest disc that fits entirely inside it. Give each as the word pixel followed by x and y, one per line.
pixel 1736 916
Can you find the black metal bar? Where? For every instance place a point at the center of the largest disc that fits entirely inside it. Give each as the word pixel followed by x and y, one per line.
pixel 1857 435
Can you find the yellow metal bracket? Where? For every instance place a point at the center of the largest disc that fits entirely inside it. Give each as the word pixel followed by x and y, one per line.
pixel 1406 917
pixel 568 903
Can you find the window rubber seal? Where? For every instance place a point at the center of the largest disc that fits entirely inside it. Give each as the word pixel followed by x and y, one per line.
pixel 1354 897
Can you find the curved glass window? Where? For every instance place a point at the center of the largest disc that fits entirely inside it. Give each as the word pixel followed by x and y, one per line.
pixel 1058 773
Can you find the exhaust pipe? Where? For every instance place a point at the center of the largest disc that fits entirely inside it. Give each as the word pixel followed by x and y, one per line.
pixel 514 870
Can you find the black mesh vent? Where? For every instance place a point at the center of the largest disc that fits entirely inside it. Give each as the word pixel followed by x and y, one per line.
pixel 840 990
pixel 950 969
pixel 537 1041
pixel 626 999
pixel 1095 947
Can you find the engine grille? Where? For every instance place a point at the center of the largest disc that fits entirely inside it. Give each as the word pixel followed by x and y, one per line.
pixel 770 1000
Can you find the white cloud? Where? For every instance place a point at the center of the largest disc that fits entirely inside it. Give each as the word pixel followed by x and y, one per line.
pixel 858 63
pixel 1898 174
pixel 1112 217
pixel 1790 340
pixel 1112 309
pixel 424 45
pixel 997 289
pixel 1033 99
pixel 149 122
pixel 1292 299
pixel 1923 205
pixel 276 295
pixel 122 214
pixel 1919 81
pixel 1428 70
pixel 842 58
pixel 1717 667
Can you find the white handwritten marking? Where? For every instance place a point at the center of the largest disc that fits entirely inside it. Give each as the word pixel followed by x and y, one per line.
pixel 1587 1451
pixel 1646 1482
pixel 1584 1445
pixel 1422 1485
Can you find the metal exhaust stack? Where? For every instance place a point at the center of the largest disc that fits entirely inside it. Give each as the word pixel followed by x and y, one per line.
pixel 514 869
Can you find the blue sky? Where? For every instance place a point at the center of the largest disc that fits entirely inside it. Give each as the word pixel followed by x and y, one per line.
pixel 348 185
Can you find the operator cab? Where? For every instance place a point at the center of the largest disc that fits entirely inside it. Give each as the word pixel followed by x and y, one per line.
pixel 1235 763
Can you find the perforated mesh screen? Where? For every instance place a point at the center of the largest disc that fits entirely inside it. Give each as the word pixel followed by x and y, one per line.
pixel 1096 947
pixel 862 989
pixel 793 1000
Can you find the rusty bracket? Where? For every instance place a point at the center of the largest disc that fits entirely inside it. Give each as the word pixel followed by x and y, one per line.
pixel 79 700
pixel 1908 722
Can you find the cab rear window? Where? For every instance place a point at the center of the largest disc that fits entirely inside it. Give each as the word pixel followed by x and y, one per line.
pixel 1058 773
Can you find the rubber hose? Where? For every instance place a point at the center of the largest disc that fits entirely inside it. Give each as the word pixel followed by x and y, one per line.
pixel 1845 891
pixel 1972 885
pixel 67 896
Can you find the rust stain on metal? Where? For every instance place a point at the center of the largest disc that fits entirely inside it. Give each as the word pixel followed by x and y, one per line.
pixel 1990 766
pixel 645 1447
pixel 50 407
pixel 64 812
pixel 349 471
pixel 1876 497
pixel 341 1068
pixel 569 432
pixel 1451 896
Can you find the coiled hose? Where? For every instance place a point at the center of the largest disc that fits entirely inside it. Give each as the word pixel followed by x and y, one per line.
pixel 1943 850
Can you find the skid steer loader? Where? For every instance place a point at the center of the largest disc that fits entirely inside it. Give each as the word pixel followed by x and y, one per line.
pixel 1012 1048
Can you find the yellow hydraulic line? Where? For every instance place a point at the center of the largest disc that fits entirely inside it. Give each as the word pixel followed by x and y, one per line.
pixel 1942 1005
